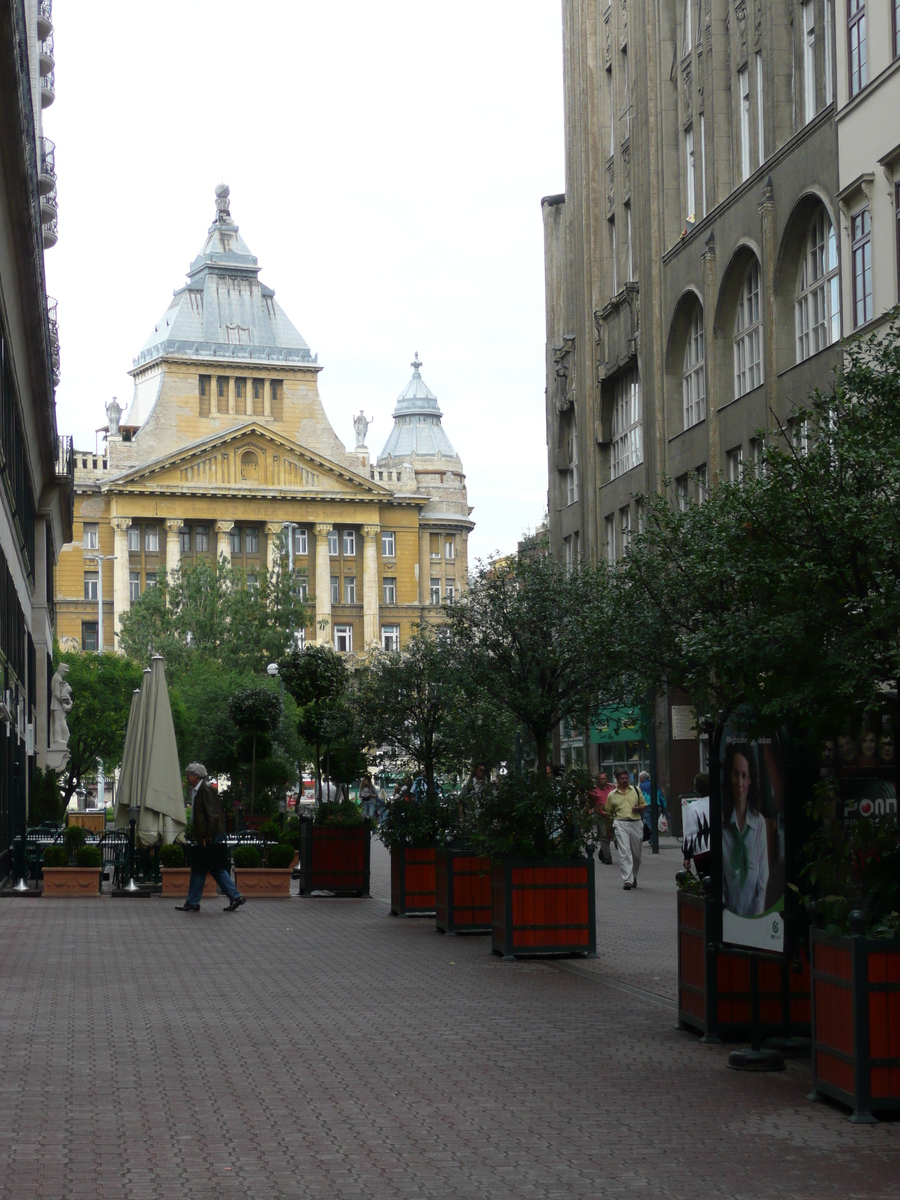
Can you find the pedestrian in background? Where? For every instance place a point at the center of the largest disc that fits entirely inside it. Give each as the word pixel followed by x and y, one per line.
pixel 210 850
pixel 625 805
pixel 368 798
pixel 604 832
pixel 662 819
pixel 696 828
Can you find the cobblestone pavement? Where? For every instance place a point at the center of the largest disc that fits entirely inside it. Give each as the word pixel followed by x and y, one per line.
pixel 320 1048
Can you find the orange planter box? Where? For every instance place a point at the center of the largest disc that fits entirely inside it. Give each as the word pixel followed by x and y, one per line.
pixel 412 881
pixel 462 892
pixel 543 906
pixel 67 882
pixel 263 883
pixel 176 881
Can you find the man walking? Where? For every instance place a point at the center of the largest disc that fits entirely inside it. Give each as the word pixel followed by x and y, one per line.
pixel 599 795
pixel 209 842
pixel 625 805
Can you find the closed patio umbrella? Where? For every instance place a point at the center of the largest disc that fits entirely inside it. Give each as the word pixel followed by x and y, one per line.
pixel 125 790
pixel 158 794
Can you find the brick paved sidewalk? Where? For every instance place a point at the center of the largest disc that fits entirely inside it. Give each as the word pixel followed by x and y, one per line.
pixel 311 1048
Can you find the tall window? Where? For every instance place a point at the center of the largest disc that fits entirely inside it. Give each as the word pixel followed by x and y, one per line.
pixel 90 585
pixel 235 538
pixel 333 545
pixel 449 590
pixel 694 378
pixel 615 255
pixel 681 493
pixel 856 35
pixel 390 638
pixel 89 634
pixel 259 397
pixel 861 250
pixel 818 307
pixel 301 587
pixel 829 51
pixel 895 17
pixel 251 540
pixel 151 539
pixel 702 165
pixel 134 586
pixel 627 444
pixel 809 60
pixel 610 525
pixel 449 548
pixel 690 198
pixel 222 394
pixel 572 472
pixel 205 382
pixel 435 591
pixel 201 538
pixel 760 109
pixel 629 257
pixel 687 39
pixel 335 589
pixel 744 95
pixel 349 589
pixel 349 543
pixel 91 538
pixel 184 541
pixel 388 545
pixel 301 541
pixel 389 590
pixel 748 335
pixel 733 461
pixel 625 527
pixel 134 538
pixel 343 638
pixel 240 397
pixel 702 483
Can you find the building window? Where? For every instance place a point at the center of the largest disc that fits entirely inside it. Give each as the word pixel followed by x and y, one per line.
pixel 748 335
pixel 91 539
pixel 818 307
pixel 861 250
pixel 301 587
pixel 570 550
pixel 235 537
pixel 89 636
pixel 687 41
pixel 572 452
pixel 349 589
pixel 221 394
pixel 800 437
pixel 134 538
pixel 610 527
pixel 760 109
pixel 435 591
pixel 201 538
pixel 702 165
pixel 829 50
pixel 151 539
pixel 624 528
pixel 434 542
pixel 744 94
pixel 276 398
pixel 333 545
pixel 449 548
pixel 390 638
pixel 895 17
pixel 251 540
pixel 629 249
pixel 388 546
pixel 694 376
pixel 449 590
pixel 733 460
pixel 389 590
pixel 252 583
pixel 335 589
pixel 90 585
pixel 249 466
pixel 259 398
pixel 240 397
pixel 349 543
pixel 134 586
pixel 205 381
pixel 702 483
pixel 343 639
pixel 689 166
pixel 856 35
pixel 301 541
pixel 627 443
pixel 681 493
pixel 615 255
pixel 809 60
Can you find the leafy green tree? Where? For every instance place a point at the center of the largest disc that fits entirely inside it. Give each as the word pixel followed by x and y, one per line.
pixel 102 686
pixel 317 680
pixel 256 714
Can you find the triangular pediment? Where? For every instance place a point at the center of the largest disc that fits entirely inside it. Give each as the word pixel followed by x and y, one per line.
pixel 247 460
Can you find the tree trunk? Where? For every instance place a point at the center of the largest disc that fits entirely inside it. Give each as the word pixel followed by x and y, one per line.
pixel 542 741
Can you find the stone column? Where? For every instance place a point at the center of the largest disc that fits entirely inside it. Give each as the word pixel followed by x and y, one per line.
pixel 273 555
pixel 767 418
pixel 173 549
pixel 710 353
pixel 121 598
pixel 370 585
pixel 323 585
pixel 223 540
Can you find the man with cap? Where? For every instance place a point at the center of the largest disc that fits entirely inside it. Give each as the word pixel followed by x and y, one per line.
pixel 209 834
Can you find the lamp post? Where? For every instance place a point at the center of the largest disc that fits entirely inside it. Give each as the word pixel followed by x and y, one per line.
pixel 99 559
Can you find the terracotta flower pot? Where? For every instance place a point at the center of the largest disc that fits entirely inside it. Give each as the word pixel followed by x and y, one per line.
pixel 263 883
pixel 66 882
pixel 176 881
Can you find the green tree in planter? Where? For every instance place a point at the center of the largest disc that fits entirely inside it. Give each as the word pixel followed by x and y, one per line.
pixel 256 713
pixel 317 680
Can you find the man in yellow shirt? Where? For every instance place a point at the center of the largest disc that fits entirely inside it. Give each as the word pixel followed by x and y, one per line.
pixel 624 805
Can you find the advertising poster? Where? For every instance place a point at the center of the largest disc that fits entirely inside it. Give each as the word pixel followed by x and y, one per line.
pixel 753 784
pixel 859 762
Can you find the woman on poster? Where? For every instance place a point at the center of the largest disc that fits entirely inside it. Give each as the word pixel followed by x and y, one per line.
pixel 745 851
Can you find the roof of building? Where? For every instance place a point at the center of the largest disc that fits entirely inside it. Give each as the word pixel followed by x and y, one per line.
pixel 224 310
pixel 417 431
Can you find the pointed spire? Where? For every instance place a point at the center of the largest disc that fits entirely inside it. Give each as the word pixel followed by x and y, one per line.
pixel 415 364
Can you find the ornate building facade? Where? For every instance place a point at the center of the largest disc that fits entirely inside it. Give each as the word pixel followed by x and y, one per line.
pixel 226 451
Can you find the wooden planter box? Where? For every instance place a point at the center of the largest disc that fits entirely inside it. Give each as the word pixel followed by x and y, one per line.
pixel 176 881
pixel 714 988
pixel 462 892
pixel 66 882
pixel 263 883
pixel 412 881
pixel 543 906
pixel 335 859
pixel 856 1022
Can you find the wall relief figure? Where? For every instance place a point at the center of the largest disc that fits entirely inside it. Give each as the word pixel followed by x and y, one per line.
pixel 564 364
pixel 61 705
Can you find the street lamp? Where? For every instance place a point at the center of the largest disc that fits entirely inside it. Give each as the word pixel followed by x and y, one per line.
pixel 99 559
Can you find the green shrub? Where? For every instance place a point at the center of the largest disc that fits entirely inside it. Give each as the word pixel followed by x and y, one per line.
pixel 45 802
pixel 56 856
pixel 171 855
pixel 280 856
pixel 74 837
pixel 271 831
pixel 88 856
pixel 248 858
pixel 338 812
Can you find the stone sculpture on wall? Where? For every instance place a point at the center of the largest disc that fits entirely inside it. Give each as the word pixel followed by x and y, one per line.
pixel 61 705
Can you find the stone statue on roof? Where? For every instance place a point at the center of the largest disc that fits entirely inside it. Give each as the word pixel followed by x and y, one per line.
pixel 223 207
pixel 113 415
pixel 361 425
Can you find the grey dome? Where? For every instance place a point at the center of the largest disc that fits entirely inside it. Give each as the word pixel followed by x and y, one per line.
pixel 417 431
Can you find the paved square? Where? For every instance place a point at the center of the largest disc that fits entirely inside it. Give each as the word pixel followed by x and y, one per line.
pixel 320 1048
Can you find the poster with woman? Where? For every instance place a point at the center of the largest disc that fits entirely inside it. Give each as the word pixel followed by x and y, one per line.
pixel 752 792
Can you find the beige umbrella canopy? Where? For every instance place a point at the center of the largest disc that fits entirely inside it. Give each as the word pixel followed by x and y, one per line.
pixel 154 785
pixel 125 790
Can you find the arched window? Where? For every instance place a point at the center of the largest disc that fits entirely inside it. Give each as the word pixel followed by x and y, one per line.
pixel 249 465
pixel 694 375
pixel 818 308
pixel 748 335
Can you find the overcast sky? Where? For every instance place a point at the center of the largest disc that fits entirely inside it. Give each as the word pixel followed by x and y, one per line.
pixel 386 165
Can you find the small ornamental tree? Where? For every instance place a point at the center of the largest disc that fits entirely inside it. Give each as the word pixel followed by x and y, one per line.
pixel 255 712
pixel 317 679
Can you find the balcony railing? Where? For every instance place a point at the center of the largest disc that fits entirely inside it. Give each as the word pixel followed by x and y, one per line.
pixel 65 457
pixel 47 168
pixel 48 206
pixel 53 325
pixel 50 233
pixel 45 18
pixel 48 89
pixel 48 62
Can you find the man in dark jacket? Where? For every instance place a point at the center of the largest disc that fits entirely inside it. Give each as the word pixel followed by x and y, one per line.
pixel 209 842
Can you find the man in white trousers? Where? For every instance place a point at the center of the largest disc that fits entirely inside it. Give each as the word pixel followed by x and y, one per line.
pixel 624 805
